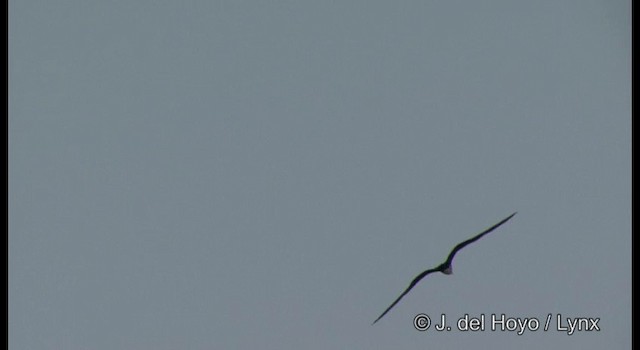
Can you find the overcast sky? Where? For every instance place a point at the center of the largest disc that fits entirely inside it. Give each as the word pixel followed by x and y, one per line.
pixel 272 174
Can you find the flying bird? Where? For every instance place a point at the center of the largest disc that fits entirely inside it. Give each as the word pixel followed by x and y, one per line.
pixel 445 267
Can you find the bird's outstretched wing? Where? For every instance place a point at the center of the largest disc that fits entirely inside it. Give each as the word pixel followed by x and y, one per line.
pixel 411 285
pixel 475 238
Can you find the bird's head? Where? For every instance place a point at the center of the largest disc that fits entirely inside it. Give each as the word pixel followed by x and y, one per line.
pixel 445 268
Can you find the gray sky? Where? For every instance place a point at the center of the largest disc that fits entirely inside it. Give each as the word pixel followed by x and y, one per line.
pixel 271 175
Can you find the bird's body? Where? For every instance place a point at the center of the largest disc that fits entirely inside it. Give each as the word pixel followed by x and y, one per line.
pixel 446 267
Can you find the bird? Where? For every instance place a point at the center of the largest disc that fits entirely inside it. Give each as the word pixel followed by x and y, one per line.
pixel 446 267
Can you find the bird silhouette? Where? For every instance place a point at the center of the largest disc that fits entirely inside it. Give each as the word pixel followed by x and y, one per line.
pixel 445 267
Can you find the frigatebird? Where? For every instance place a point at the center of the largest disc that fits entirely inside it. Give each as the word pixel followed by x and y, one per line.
pixel 445 267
